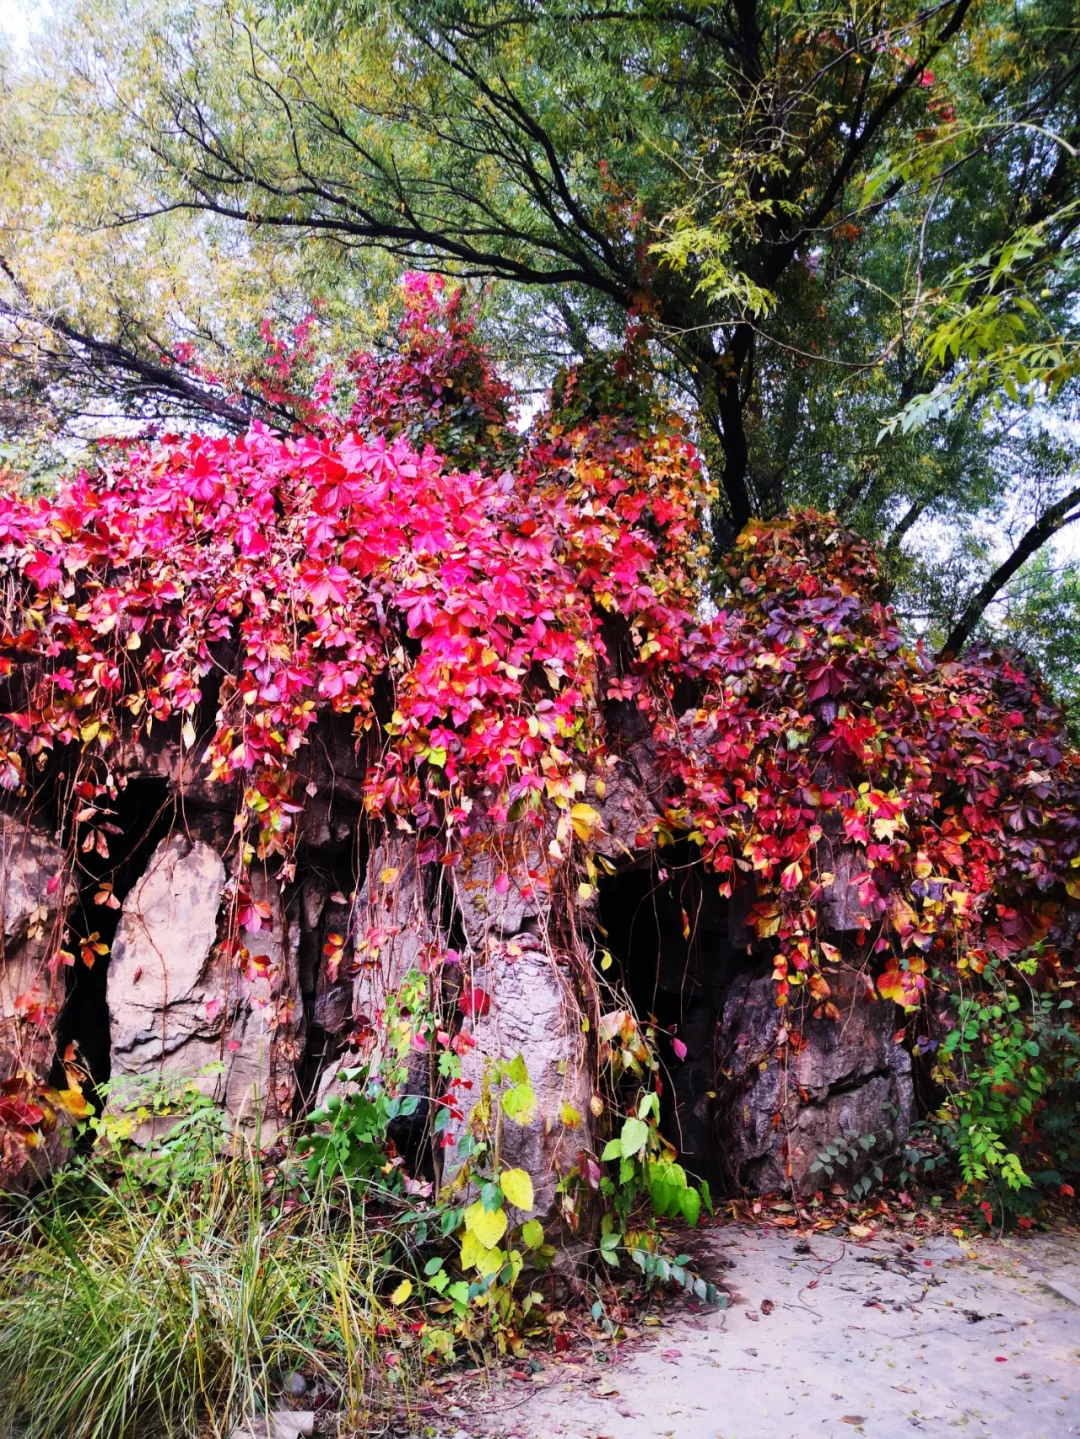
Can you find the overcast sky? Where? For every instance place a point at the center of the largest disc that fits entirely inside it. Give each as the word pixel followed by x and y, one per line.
pixel 19 17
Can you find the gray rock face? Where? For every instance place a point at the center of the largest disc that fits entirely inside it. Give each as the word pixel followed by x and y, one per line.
pixel 32 927
pixel 837 1079
pixel 485 913
pixel 842 912
pixel 178 1010
pixel 392 934
pixel 534 1011
pixel 631 804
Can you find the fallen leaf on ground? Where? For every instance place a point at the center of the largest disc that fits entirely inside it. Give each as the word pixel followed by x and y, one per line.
pixel 767 1306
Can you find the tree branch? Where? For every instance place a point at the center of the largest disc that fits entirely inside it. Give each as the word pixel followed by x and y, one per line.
pixel 1044 529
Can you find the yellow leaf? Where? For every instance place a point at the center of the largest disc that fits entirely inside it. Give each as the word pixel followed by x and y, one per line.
pixel 388 876
pixel 475 1255
pixel 585 820
pixel 570 1116
pixel 73 1102
pixel 488 1225
pixel 402 1292
pixel 471 1249
pixel 518 1188
pixel 490 1261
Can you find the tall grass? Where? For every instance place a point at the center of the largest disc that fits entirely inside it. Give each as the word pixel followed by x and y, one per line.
pixel 129 1309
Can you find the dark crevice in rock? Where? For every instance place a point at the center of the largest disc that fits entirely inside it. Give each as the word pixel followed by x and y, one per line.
pixel 678 945
pixel 848 1086
pixel 323 901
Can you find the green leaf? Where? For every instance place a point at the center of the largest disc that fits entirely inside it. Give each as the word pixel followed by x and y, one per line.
pixel 532 1234
pixel 690 1204
pixel 635 1133
pixel 519 1104
pixel 662 1195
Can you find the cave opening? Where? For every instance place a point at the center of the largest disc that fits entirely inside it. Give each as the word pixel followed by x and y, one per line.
pixel 141 816
pixel 324 902
pixel 677 944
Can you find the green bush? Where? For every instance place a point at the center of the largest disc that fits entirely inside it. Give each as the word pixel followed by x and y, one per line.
pixel 1009 1073
pixel 135 1309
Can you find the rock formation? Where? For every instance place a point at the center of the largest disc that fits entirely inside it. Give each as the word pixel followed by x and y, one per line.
pixel 788 1093
pixel 749 1100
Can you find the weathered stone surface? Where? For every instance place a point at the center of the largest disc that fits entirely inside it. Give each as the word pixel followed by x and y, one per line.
pixel 32 928
pixel 391 933
pixel 178 1009
pixel 631 804
pixel 842 912
pixel 784 1103
pixel 534 1011
pixel 323 911
pixel 494 893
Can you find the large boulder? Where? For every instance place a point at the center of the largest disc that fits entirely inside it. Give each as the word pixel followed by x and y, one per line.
pixel 525 1003
pixel 180 1010
pixel 791 1091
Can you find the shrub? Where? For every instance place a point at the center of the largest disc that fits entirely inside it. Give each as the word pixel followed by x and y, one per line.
pixel 128 1309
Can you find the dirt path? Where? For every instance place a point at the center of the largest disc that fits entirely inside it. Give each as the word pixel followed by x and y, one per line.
pixel 884 1338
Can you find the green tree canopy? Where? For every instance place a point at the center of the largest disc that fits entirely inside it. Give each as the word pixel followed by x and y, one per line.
pixel 849 228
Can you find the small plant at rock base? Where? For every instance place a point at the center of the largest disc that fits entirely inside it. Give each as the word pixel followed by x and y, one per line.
pixel 349 1135
pixel 162 1129
pixel 841 1156
pixel 496 1241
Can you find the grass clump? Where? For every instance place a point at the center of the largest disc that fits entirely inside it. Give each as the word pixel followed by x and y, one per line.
pixel 176 1304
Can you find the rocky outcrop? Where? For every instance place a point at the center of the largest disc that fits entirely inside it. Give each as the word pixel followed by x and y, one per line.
pixel 32 898
pixel 528 1005
pixel 180 1011
pixel 789 1092
pixel 262 1020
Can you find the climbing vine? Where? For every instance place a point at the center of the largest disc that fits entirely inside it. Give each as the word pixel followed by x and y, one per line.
pixel 494 614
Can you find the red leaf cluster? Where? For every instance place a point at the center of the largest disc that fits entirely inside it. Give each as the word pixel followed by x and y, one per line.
pixel 481 615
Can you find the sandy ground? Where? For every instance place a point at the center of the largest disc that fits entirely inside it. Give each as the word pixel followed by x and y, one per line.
pixel 827 1337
